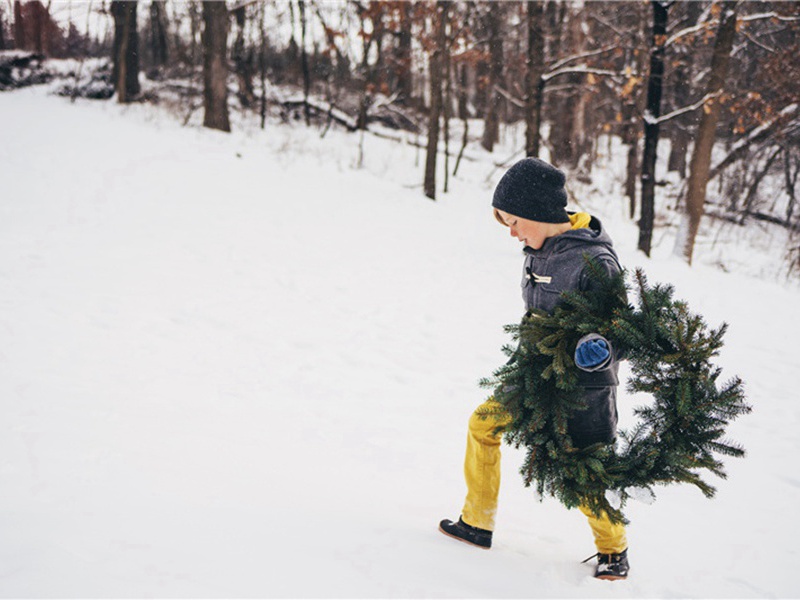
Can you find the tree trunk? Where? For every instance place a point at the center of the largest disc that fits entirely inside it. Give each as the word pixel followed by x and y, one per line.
pixel 679 150
pixel 262 62
pixel 405 83
pixel 38 21
pixel 566 138
pixel 125 73
pixel 632 172
pixel 19 26
pixel 2 32
pixel 491 129
pixel 370 73
pixel 791 183
pixel 462 96
pixel 682 92
pixel 652 113
pixel 447 110
pixel 243 61
pixel 706 133
pixel 215 66
pixel 534 84
pixel 158 33
pixel 301 5
pixel 436 75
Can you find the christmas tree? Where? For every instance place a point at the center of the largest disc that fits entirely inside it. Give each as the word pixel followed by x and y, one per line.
pixel 670 350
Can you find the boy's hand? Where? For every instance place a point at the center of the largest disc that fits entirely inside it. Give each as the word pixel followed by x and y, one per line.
pixel 591 353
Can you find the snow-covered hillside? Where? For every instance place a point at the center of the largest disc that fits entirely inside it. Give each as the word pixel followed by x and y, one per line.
pixel 237 366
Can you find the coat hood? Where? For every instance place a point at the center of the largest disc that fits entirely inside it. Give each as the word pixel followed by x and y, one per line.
pixel 592 235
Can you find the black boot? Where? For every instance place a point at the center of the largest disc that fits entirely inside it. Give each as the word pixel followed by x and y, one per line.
pixel 467 533
pixel 612 567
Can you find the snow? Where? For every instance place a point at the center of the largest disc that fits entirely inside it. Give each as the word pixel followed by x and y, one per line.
pixel 237 366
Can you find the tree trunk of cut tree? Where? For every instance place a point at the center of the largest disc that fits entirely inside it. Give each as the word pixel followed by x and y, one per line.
pixel 215 66
pixel 534 84
pixel 652 113
pixel 125 73
pixel 706 133
pixel 436 75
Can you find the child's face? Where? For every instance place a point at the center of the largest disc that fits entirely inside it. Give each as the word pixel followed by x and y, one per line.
pixel 530 233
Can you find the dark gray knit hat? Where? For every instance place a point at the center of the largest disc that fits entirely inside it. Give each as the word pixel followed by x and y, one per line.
pixel 534 190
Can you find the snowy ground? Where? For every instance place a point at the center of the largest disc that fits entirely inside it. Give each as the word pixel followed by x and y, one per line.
pixel 236 366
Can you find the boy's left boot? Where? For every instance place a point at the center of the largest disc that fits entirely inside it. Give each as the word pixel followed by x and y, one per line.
pixel 467 533
pixel 612 567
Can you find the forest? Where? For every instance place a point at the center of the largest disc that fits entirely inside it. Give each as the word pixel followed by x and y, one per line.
pixel 708 89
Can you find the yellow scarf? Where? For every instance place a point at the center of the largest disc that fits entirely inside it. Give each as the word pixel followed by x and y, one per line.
pixel 580 220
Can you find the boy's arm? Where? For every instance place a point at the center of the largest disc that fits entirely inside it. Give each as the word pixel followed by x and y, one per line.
pixel 593 351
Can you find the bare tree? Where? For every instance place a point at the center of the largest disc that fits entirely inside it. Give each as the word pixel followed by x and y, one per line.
pixel 262 62
pixel 436 76
pixel 301 5
pixel 125 73
pixel 534 83
pixel 243 59
pixel 683 70
pixel 491 128
pixel 19 26
pixel 158 33
pixel 2 30
pixel 651 123
pixel 405 83
pixel 569 138
pixel 215 66
pixel 706 133
pixel 371 31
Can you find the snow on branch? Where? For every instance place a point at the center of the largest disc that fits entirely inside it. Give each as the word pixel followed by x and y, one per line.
pixel 241 5
pixel 651 120
pixel 713 23
pixel 755 136
pixel 579 69
pixel 769 15
pixel 575 57
pixel 688 31
pixel 509 97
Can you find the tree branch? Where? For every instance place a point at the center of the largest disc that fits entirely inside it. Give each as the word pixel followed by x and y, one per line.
pixel 682 111
pixel 757 135
pixel 569 59
pixel 689 30
pixel 580 69
pixel 769 15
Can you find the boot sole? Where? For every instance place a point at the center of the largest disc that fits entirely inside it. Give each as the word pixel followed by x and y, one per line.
pixel 460 539
pixel 611 577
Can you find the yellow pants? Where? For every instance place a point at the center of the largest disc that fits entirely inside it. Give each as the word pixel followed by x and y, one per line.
pixel 482 472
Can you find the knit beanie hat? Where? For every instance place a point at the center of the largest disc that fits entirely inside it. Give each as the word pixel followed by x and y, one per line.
pixel 534 190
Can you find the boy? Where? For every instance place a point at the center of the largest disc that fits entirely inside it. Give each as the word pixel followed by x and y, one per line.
pixel 530 200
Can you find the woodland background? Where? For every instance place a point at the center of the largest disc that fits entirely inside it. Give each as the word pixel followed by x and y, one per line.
pixel 233 359
pixel 718 81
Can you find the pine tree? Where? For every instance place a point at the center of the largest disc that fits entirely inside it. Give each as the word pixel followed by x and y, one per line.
pixel 670 351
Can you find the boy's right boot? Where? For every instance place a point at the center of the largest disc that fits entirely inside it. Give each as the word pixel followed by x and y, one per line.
pixel 467 533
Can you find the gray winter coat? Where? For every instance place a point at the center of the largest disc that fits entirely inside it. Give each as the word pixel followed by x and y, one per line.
pixel 559 266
